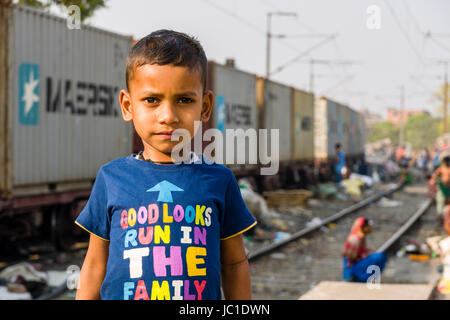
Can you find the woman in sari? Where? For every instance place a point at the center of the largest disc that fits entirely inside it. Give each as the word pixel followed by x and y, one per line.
pixel 356 257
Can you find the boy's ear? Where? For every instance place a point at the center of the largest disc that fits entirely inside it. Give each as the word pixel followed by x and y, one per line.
pixel 208 102
pixel 125 105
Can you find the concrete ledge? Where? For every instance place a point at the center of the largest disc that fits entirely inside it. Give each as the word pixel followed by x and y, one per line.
pixel 337 290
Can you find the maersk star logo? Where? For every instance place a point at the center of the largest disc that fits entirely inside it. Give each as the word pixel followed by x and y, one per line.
pixel 29 94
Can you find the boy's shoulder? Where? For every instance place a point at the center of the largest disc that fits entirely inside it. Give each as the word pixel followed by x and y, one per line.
pixel 215 167
pixel 202 163
pixel 115 164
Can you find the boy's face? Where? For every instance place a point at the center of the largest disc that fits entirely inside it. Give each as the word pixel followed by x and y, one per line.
pixel 162 99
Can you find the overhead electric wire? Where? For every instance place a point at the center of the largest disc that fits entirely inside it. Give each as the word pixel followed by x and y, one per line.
pixel 247 23
pixel 402 29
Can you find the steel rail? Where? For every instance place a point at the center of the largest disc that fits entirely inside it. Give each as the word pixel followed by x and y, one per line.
pixel 262 251
pixel 422 209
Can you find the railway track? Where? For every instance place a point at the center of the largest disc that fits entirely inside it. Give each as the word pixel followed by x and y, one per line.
pixel 359 205
pixel 304 259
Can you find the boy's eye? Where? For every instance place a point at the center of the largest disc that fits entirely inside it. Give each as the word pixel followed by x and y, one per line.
pixel 185 100
pixel 151 100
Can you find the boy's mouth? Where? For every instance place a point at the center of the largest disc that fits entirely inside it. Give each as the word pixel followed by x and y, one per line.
pixel 165 134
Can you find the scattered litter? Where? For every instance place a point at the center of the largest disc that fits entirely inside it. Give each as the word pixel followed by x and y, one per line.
pixel 433 243
pixel 387 203
pixel 24 270
pixel 412 248
pixel 341 196
pixel 279 236
pixel 6 295
pixel 400 253
pixel 332 225
pixel 353 186
pixel 255 203
pixel 419 257
pixel 314 222
pixel 425 249
pixel 368 181
pixel 444 283
pixel 376 178
pixel 327 190
pixel 281 198
pixel 278 255
pixel 16 288
pixel 314 203
pixel 279 224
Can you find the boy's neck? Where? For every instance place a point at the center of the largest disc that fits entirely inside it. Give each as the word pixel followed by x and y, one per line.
pixel 157 156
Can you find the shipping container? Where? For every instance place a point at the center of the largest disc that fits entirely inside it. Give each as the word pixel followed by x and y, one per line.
pixel 354 133
pixel 326 128
pixel 346 118
pixel 362 134
pixel 59 114
pixel 303 125
pixel 331 126
pixel 234 108
pixel 275 103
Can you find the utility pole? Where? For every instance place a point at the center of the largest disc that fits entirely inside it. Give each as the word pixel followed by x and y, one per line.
pixel 445 94
pixel 269 36
pixel 445 111
pixel 402 115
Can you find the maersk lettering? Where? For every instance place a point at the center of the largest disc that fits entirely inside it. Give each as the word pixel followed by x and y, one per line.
pixel 81 98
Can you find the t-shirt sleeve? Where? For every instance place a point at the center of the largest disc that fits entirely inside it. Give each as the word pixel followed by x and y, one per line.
pixel 236 218
pixel 94 217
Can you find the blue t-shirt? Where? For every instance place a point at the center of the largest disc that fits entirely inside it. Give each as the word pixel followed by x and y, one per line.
pixel 164 224
pixel 341 158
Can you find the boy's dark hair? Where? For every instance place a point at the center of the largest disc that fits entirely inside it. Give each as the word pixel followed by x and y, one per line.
pixel 167 47
pixel 337 145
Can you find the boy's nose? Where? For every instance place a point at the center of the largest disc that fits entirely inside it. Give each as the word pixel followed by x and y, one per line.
pixel 167 113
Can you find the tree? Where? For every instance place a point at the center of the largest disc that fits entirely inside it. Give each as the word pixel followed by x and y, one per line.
pixel 421 130
pixel 87 7
pixel 383 130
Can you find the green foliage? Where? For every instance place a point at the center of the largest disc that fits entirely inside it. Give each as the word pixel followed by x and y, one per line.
pixel 87 7
pixel 421 130
pixel 383 130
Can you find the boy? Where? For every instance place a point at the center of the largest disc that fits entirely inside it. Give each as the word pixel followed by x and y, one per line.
pixel 161 230
pixel 340 162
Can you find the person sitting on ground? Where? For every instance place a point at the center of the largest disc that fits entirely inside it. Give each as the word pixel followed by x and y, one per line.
pixel 441 178
pixel 356 256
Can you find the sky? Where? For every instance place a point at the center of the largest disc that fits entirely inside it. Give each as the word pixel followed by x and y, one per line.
pixel 364 68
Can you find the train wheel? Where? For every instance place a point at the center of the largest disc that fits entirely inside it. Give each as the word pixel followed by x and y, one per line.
pixel 62 226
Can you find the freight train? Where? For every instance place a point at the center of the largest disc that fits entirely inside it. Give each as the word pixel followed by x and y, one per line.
pixel 60 121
